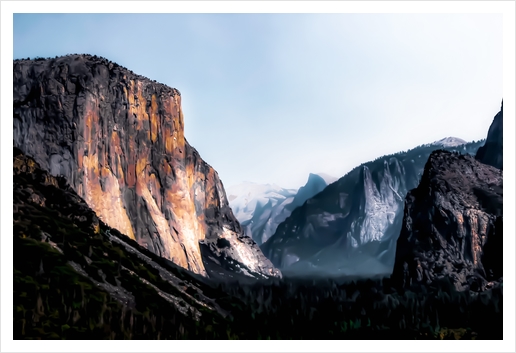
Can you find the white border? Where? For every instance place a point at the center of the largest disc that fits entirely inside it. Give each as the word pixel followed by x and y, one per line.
pixel 7 10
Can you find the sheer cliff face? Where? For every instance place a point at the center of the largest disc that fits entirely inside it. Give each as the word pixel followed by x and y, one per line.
pixel 453 224
pixel 118 139
pixel 492 152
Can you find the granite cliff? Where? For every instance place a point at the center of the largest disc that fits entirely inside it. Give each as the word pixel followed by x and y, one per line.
pixel 118 139
pixel 453 225
pixel 453 220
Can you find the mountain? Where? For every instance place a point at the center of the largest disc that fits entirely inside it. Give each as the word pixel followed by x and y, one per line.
pixel 453 224
pixel 453 220
pixel 351 227
pixel 118 139
pixel 492 152
pixel 314 185
pixel 76 278
pixel 260 208
pixel 449 142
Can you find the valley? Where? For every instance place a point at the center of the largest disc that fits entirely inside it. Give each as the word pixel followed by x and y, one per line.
pixel 122 231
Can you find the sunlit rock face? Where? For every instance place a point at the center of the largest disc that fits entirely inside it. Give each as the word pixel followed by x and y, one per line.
pixel 118 138
pixel 453 223
pixel 351 227
pixel 492 152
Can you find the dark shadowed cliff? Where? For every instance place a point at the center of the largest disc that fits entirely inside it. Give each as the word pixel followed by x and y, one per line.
pixel 118 139
pixel 492 152
pixel 453 224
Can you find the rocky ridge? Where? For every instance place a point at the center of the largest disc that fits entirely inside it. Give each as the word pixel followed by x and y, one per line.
pixel 351 227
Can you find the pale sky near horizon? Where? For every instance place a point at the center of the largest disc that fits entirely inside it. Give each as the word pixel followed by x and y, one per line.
pixel 269 98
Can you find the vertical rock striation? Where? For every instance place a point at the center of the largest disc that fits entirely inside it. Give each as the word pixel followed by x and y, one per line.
pixel 118 138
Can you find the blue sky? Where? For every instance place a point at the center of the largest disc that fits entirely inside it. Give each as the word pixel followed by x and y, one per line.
pixel 271 97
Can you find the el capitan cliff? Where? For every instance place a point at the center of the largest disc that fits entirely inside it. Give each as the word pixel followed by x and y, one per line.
pixel 118 138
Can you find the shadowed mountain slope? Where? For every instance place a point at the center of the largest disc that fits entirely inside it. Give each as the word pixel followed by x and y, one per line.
pixel 351 227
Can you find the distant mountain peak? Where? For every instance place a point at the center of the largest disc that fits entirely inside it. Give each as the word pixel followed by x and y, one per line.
pixel 261 207
pixel 313 176
pixel 449 142
pixel 326 177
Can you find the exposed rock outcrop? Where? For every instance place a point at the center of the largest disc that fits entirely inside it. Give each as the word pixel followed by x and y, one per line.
pixel 453 223
pixel 118 139
pixel 492 152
